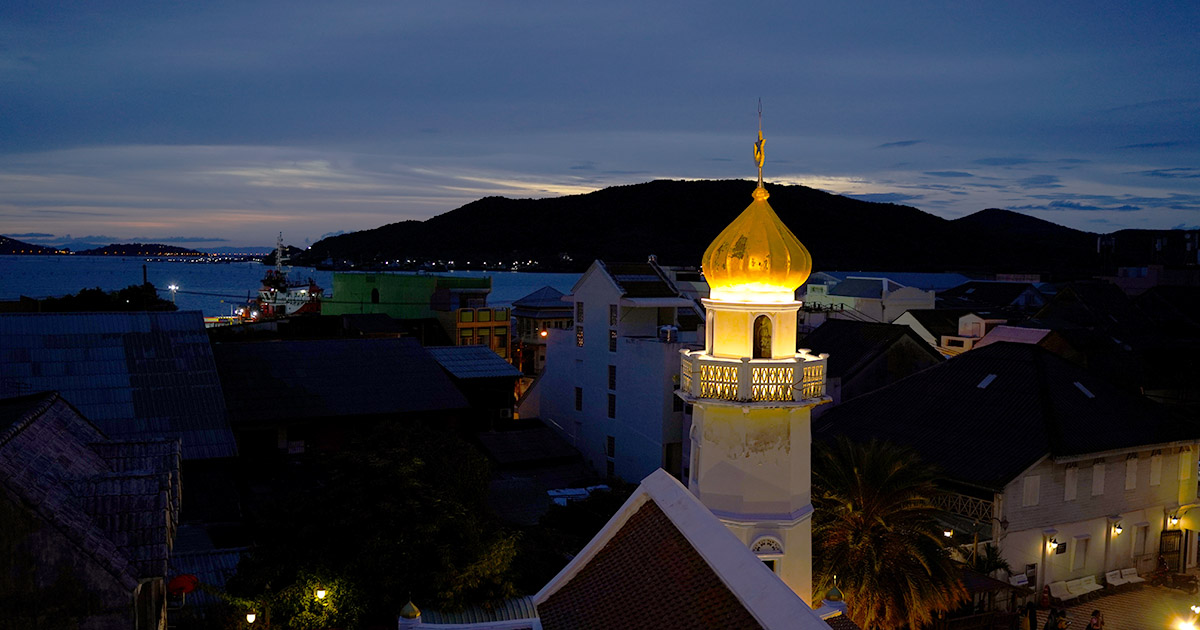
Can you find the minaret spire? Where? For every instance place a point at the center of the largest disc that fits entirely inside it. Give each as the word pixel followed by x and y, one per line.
pixel 759 158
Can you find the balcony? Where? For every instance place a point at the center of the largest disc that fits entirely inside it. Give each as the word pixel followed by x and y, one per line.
pixel 753 380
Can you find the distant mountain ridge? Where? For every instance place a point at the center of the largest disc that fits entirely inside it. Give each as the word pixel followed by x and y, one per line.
pixel 676 220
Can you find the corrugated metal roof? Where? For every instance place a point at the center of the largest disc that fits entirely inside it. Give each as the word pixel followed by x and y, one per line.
pixel 508 610
pixel 473 362
pixel 132 374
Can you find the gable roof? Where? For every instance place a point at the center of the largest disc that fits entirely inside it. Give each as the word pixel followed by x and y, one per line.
pixel 987 415
pixel 544 303
pixel 286 380
pixel 851 345
pixel 1015 334
pixel 983 294
pixel 117 503
pixel 135 375
pixel 464 362
pixel 939 322
pixel 916 280
pixel 664 561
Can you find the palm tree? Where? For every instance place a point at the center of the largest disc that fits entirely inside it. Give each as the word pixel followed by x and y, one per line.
pixel 874 528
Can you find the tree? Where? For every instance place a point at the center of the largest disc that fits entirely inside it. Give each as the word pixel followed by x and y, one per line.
pixel 875 529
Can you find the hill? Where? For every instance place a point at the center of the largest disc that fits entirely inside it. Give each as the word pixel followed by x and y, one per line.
pixel 676 220
pixel 140 249
pixel 10 246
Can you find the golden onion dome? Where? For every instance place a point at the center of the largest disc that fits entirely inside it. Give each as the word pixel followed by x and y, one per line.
pixel 756 258
pixel 410 611
pixel 834 595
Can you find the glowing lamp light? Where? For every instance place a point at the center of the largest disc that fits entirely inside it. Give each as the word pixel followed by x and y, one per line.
pixel 948 533
pixel 250 617
pixel 1053 544
pixel 1195 610
pixel 1174 520
pixel 544 332
pixel 1117 529
pixel 1184 624
pixel 173 287
pixel 321 593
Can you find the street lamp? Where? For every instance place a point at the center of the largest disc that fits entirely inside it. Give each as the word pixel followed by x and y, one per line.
pixel 173 288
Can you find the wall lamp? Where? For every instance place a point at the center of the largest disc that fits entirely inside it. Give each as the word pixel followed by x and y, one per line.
pixel 1173 520
pixel 1117 529
pixel 1053 544
pixel 948 533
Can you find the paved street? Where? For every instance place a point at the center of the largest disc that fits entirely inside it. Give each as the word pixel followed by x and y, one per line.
pixel 1147 608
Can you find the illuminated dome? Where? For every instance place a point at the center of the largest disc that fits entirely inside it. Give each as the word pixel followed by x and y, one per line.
pixel 756 258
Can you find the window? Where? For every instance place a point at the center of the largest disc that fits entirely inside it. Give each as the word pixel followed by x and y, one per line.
pixel 1131 472
pixel 954 343
pixel 578 399
pixel 612 341
pixel 1098 478
pixel 762 337
pixel 485 315
pixel 1155 468
pixel 612 377
pixel 485 337
pixel 610 447
pixel 612 314
pixel 612 405
pixel 374 296
pixel 466 337
pixel 1033 488
pixel 1185 464
pixel 579 312
pixel 579 336
pixel 466 315
pixel 1081 549
pixel 1071 483
pixel 676 403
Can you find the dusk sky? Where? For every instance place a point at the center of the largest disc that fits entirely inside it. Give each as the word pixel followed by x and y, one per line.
pixel 213 123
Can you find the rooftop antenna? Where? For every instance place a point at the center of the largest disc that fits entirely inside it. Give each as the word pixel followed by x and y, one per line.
pixel 759 158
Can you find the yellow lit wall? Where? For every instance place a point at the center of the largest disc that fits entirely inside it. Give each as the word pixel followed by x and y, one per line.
pixel 730 328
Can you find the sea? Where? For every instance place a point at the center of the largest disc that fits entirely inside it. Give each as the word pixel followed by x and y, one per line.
pixel 211 288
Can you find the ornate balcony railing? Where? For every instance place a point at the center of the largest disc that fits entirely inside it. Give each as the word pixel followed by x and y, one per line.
pixel 753 380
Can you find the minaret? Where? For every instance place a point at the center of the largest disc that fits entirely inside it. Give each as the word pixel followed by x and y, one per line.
pixel 752 391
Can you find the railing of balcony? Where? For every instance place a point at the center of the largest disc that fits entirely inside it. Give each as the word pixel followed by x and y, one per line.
pixel 753 380
pixel 962 505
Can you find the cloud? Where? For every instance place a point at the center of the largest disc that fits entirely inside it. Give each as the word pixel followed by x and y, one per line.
pixel 885 197
pixel 1039 181
pixel 1075 205
pixel 1184 226
pixel 31 235
pixel 1152 145
pixel 949 174
pixel 1006 161
pixel 1170 173
pixel 901 143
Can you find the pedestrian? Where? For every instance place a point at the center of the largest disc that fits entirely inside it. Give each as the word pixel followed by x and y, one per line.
pixel 1031 615
pixel 1051 620
pixel 1097 621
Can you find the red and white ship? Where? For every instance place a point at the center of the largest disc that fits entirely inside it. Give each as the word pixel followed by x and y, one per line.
pixel 281 297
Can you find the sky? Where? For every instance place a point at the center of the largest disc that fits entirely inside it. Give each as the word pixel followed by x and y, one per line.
pixel 217 123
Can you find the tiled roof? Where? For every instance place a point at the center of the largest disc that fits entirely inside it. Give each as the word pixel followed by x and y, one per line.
pixel 851 345
pixel 640 280
pixel 118 503
pixel 285 380
pixel 135 375
pixel 841 622
pixel 987 415
pixel 212 567
pixel 464 362
pixel 647 575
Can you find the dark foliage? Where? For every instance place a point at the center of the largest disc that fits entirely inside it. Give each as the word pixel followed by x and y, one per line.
pixel 135 297
pixel 399 513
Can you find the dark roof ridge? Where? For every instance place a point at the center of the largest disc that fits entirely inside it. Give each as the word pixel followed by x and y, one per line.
pixel 47 400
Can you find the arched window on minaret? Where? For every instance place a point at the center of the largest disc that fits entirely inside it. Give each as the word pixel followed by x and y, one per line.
pixel 762 337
